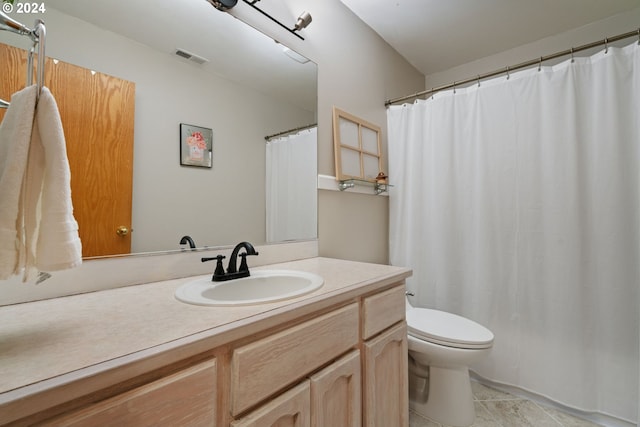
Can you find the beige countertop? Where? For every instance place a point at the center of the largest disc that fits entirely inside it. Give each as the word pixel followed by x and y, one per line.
pixel 58 340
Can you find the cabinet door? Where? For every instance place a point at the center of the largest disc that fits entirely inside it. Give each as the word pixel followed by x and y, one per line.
pixel 386 400
pixel 336 394
pixel 290 409
pixel 262 368
pixel 186 398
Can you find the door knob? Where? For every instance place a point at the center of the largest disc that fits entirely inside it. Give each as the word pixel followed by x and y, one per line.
pixel 122 231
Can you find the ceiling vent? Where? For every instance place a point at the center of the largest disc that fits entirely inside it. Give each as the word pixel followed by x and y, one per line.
pixel 191 56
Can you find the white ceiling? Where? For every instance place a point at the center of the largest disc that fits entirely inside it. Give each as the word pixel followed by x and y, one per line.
pixel 435 35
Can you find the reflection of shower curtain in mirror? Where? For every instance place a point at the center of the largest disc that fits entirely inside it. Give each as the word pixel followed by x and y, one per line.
pixel 291 184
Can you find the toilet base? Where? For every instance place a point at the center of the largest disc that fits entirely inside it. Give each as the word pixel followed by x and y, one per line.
pixel 449 399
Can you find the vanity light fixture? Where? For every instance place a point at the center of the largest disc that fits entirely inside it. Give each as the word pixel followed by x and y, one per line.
pixel 294 55
pixel 223 5
pixel 303 20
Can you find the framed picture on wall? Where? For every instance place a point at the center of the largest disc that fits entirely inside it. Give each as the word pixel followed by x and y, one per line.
pixel 196 146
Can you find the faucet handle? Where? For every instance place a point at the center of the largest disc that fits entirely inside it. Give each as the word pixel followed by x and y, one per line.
pixel 219 267
pixel 243 262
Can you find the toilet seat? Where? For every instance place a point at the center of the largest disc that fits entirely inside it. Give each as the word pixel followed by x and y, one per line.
pixel 447 329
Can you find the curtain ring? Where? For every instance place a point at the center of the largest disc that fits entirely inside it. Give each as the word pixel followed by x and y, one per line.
pixel 638 36
pixel 454 87
pixel 606 45
pixel 432 93
pixel 478 80
pixel 508 69
pixel 572 58
pixel 540 64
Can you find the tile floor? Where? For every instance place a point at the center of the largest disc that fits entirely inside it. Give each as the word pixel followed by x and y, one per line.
pixel 497 409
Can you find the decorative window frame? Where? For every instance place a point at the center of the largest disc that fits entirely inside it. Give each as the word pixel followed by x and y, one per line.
pixel 357 147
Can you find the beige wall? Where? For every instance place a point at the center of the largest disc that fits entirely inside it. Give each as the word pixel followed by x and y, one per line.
pixel 357 72
pixel 598 30
pixel 353 226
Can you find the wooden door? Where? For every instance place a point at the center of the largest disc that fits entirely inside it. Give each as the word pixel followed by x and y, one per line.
pixel 386 389
pixel 97 113
pixel 336 396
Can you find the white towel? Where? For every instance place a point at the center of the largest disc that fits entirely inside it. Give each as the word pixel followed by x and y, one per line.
pixel 15 136
pixel 39 219
pixel 52 241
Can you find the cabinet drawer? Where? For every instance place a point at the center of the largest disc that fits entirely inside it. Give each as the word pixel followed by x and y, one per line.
pixel 186 398
pixel 383 310
pixel 263 367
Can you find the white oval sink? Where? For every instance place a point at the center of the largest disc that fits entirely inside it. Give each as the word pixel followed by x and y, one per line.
pixel 262 286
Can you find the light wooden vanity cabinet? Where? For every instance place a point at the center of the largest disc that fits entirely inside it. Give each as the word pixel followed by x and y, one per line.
pixel 336 394
pixel 385 356
pixel 186 398
pixel 270 364
pixel 296 355
pixel 386 387
pixel 291 409
pixel 331 397
pixel 343 364
pixel 382 310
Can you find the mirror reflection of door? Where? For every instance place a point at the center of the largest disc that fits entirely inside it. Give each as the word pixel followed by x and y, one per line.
pixel 97 113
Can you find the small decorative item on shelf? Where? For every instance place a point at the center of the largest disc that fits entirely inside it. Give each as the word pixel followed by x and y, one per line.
pixel 381 179
pixel 381 183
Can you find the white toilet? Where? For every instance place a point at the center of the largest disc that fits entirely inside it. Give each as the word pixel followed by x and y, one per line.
pixel 442 346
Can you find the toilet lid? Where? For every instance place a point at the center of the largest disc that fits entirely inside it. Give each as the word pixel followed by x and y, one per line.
pixel 448 329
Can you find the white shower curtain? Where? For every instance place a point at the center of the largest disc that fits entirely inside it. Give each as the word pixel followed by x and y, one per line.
pixel 516 203
pixel 291 187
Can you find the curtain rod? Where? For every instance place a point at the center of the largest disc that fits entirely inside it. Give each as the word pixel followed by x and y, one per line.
pixel 270 137
pixel 526 64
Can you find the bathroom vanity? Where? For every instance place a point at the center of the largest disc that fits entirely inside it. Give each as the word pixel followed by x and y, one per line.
pixel 137 356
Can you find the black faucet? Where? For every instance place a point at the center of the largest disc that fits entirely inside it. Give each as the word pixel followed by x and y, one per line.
pixel 233 272
pixel 188 239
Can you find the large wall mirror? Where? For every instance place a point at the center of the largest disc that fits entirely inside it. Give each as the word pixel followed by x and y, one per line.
pixel 240 84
